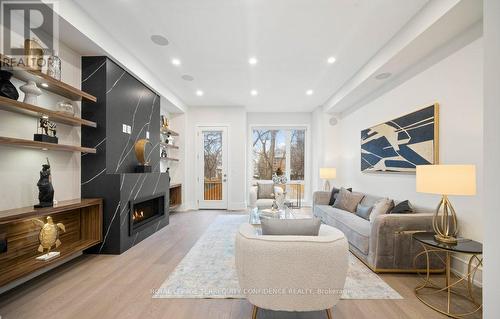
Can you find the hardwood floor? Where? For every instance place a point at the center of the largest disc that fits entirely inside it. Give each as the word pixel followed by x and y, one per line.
pixel 101 286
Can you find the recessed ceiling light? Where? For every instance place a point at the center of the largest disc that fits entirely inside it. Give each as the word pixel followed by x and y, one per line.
pixel 383 76
pixel 159 40
pixel 253 60
pixel 254 92
pixel 199 92
pixel 331 60
pixel 309 92
pixel 45 85
pixel 187 77
pixel 176 61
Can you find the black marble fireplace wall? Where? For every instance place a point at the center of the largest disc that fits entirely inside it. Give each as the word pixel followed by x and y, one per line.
pixel 121 100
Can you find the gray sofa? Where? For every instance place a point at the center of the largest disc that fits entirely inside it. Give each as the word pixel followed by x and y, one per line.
pixel 385 243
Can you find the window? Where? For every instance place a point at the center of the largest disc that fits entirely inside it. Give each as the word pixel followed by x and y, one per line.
pixel 278 149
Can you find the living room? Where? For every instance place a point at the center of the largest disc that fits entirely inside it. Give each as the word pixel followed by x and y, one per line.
pixel 249 159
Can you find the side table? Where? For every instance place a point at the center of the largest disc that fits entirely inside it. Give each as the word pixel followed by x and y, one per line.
pixel 429 287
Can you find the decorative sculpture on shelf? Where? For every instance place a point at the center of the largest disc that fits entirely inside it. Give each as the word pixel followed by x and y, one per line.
pixel 54 66
pixel 45 188
pixel 7 89
pixel 48 237
pixel 164 121
pixel 140 154
pixel 65 107
pixel 31 92
pixel 46 131
pixel 34 54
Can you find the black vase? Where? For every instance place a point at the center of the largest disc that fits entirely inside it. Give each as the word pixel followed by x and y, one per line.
pixel 7 89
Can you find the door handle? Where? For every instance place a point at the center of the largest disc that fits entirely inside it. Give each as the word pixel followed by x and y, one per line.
pixel 224 180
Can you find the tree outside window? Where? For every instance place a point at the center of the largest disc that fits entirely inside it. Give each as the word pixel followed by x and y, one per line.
pixel 273 149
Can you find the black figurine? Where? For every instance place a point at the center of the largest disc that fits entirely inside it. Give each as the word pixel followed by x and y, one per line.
pixel 45 189
pixel 46 131
pixel 7 89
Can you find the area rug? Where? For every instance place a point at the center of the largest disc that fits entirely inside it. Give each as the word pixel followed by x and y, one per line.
pixel 208 270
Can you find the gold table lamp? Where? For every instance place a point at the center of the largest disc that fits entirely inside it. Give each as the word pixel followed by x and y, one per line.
pixel 446 180
pixel 327 173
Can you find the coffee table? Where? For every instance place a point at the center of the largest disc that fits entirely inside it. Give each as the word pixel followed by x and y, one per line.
pixel 256 213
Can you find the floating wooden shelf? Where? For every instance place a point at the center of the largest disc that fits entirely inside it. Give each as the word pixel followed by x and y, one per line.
pixel 37 111
pixel 166 145
pixel 169 159
pixel 81 217
pixel 44 146
pixel 168 131
pixel 26 74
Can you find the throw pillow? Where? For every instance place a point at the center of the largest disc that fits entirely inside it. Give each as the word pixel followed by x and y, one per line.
pixel 290 227
pixel 335 194
pixel 347 200
pixel 402 208
pixel 381 207
pixel 265 191
pixel 364 211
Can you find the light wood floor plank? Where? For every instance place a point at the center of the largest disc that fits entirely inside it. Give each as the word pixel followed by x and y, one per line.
pixel 101 286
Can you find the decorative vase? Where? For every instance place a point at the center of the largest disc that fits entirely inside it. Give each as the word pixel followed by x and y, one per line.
pixel 65 107
pixel 7 89
pixel 34 54
pixel 31 92
pixel 54 67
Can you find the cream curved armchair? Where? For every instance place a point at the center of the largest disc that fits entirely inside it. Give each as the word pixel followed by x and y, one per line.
pixel 292 273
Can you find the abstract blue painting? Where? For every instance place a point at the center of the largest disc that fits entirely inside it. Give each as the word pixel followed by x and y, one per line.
pixel 403 143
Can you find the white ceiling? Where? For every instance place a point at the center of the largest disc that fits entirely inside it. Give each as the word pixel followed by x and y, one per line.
pixel 292 40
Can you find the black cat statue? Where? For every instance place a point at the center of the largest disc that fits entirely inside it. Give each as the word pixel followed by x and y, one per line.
pixel 45 189
pixel 7 89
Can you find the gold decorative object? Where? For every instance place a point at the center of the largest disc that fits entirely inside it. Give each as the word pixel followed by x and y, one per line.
pixel 164 121
pixel 140 154
pixel 34 54
pixel 48 237
pixel 446 180
pixel 140 151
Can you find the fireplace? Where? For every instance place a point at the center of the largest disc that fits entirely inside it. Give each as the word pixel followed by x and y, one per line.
pixel 145 211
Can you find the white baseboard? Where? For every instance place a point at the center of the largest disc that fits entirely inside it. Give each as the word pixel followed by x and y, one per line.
pixel 459 267
pixel 237 206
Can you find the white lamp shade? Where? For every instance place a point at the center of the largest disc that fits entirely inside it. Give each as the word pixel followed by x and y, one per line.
pixel 446 179
pixel 327 173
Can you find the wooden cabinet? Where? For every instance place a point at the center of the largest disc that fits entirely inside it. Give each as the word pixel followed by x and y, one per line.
pixel 82 219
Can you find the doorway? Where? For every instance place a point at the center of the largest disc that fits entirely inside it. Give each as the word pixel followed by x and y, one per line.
pixel 212 161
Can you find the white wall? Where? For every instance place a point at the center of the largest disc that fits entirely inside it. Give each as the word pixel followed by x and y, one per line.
pixel 20 167
pixel 303 119
pixel 491 157
pixel 235 117
pixel 456 83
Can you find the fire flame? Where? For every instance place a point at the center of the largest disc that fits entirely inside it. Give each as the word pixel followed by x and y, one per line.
pixel 138 215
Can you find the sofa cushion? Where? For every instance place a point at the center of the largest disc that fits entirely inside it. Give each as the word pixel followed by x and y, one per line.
pixel 370 200
pixel 335 194
pixel 381 207
pixel 403 207
pixel 348 200
pixel 357 230
pixel 265 191
pixel 364 211
pixel 290 227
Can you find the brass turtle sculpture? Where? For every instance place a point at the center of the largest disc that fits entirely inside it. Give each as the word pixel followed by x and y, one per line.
pixel 49 234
